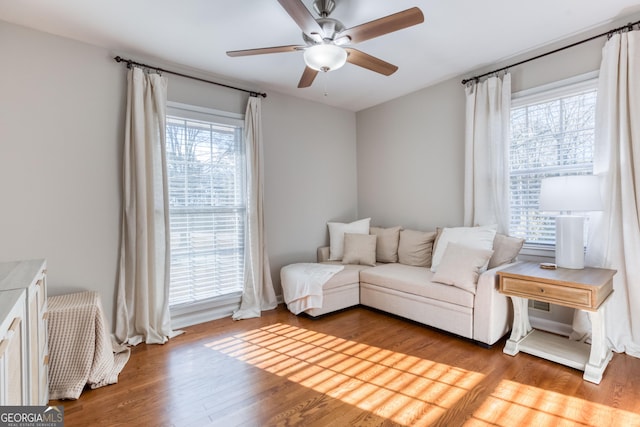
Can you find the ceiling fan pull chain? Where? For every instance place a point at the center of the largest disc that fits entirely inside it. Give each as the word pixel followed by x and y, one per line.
pixel 325 77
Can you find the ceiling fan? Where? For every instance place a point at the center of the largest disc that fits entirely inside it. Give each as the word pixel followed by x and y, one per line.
pixel 327 41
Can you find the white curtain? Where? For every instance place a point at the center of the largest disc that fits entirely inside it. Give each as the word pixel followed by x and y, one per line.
pixel 143 282
pixel 614 235
pixel 486 184
pixel 258 293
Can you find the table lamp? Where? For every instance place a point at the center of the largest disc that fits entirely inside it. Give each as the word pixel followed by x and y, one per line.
pixel 566 195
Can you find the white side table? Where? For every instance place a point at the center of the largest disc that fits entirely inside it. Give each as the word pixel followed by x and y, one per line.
pixel 586 289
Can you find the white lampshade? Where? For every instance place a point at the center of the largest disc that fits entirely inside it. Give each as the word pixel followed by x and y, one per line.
pixel 576 193
pixel 325 57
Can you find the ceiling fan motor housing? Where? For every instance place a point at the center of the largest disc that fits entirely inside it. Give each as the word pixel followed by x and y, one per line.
pixel 330 28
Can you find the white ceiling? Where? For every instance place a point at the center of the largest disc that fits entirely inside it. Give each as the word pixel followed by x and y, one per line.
pixel 457 37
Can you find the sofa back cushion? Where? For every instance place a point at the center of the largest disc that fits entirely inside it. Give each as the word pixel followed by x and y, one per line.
pixel 505 249
pixel 415 247
pixel 387 240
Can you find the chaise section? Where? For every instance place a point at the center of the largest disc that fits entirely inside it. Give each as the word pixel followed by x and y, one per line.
pixel 341 291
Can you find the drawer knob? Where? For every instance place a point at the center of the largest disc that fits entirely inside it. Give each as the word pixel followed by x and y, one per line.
pixel 541 290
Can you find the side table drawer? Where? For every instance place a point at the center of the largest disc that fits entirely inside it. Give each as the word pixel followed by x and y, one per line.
pixel 546 292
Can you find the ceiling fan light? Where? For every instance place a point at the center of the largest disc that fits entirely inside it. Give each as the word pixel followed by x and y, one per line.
pixel 325 57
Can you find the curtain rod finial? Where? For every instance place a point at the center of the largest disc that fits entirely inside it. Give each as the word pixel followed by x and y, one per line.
pixel 159 70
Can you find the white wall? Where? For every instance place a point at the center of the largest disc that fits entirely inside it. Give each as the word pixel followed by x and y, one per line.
pixel 310 175
pixel 411 149
pixel 61 121
pixel 61 130
pixel 411 159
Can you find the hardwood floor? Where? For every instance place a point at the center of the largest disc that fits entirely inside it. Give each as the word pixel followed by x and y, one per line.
pixel 354 368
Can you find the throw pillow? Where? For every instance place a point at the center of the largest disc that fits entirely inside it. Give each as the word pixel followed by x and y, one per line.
pixel 461 266
pixel 359 249
pixel 387 240
pixel 505 249
pixel 438 233
pixel 336 235
pixel 415 247
pixel 475 237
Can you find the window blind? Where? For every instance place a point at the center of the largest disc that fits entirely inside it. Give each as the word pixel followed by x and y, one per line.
pixel 550 136
pixel 207 209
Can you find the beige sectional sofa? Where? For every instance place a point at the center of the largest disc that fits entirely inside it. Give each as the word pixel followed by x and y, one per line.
pixel 461 300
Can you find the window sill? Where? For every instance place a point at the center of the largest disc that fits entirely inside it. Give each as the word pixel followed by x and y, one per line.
pixel 541 253
pixel 204 311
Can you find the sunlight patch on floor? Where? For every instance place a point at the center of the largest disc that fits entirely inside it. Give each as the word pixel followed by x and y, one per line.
pixel 513 404
pixel 405 389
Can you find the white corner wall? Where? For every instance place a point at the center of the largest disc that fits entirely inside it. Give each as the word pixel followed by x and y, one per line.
pixel 411 159
pixel 62 106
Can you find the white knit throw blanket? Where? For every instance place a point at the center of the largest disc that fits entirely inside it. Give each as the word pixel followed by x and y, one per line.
pixel 80 349
pixel 302 284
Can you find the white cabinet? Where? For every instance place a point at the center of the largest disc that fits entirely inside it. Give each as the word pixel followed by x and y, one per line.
pixel 23 286
pixel 13 347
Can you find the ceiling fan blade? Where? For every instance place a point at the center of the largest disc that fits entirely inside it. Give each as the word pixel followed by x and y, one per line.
pixel 369 62
pixel 388 24
pixel 301 15
pixel 307 78
pixel 263 50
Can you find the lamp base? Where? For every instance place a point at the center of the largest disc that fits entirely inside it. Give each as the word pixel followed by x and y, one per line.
pixel 570 241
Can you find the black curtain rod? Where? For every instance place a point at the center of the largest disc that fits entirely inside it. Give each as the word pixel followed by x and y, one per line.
pixel 609 33
pixel 131 62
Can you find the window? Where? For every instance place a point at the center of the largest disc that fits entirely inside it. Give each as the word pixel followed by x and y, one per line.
pixel 552 134
pixel 207 204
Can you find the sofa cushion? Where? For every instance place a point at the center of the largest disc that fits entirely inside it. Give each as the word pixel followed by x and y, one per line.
pixel 415 280
pixel 415 247
pixel 505 249
pixel 359 249
pixel 476 237
pixel 386 243
pixel 461 266
pixel 349 275
pixel 336 235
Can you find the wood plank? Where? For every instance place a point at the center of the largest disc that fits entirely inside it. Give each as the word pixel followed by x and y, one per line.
pixel 357 367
